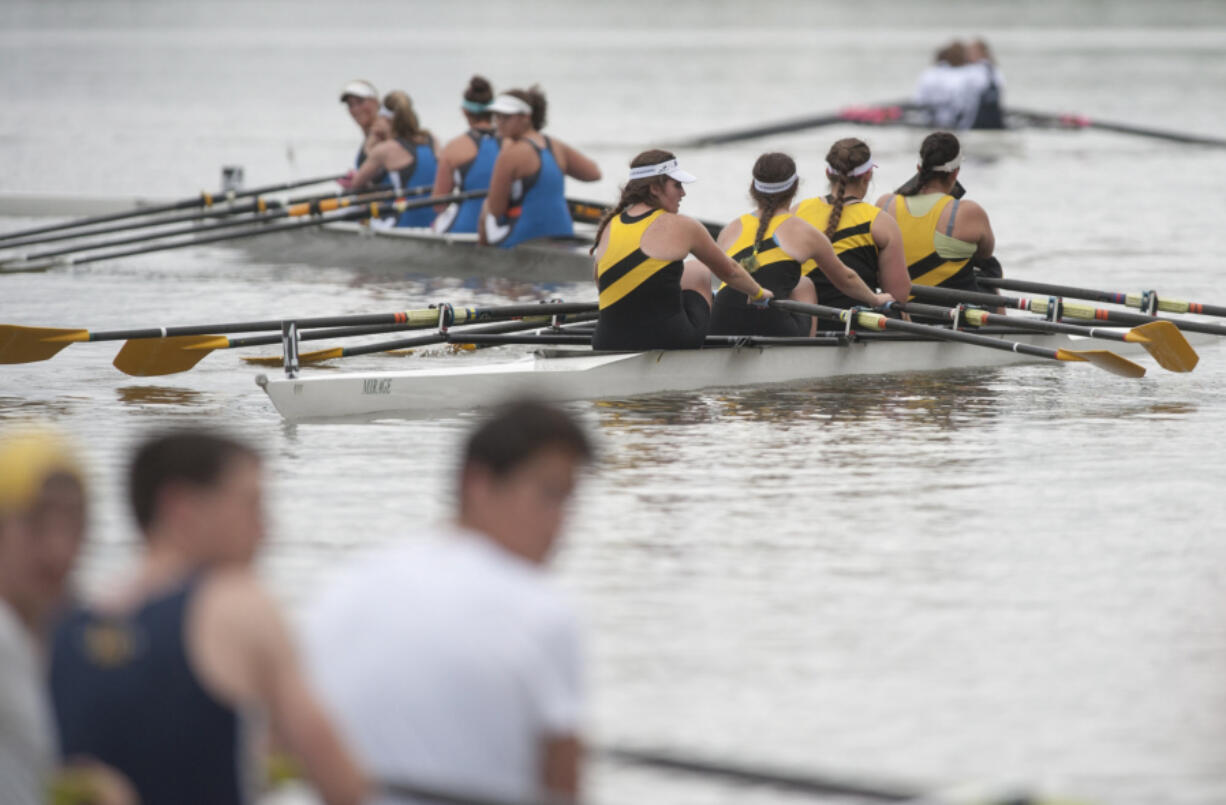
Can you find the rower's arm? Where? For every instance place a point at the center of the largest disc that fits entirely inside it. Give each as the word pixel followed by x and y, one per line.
pixel 578 165
pixel 372 167
pixel 891 258
pixel 242 649
pixel 729 234
pixel 704 247
pixel 987 238
pixel 562 757
pixel 444 177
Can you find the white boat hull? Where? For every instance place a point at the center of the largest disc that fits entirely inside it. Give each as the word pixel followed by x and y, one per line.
pixel 582 374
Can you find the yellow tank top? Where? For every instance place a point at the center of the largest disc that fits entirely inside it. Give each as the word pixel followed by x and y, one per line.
pixel 772 266
pixel 623 270
pixel 854 233
pixel 933 258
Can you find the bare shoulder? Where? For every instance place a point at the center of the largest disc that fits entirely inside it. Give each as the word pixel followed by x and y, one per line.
pixel 972 210
pixel 884 200
pixel 235 600
pixel 730 232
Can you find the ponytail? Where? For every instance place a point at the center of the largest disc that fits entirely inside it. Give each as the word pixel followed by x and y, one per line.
pixel 937 149
pixel 773 168
pixel 844 156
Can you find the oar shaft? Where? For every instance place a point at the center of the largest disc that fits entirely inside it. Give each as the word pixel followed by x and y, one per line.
pixel 877 321
pixel 1070 310
pixel 1127 299
pixel 203 200
pixel 980 317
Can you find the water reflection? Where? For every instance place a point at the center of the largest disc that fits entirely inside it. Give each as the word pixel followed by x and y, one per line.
pixel 162 395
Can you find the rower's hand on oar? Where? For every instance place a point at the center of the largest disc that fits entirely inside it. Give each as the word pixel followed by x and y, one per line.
pixel 762 298
pixel 346 181
pixel 883 303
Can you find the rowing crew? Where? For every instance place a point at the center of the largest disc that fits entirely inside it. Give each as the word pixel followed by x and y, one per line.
pixel 503 152
pixel 836 248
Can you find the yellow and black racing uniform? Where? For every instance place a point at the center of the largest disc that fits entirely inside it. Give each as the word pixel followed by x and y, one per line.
pixel 775 270
pixel 642 305
pixel 933 258
pixel 853 243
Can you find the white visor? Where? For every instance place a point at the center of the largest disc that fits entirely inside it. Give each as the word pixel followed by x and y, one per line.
pixel 775 187
pixel 388 113
pixel 668 169
pixel 859 170
pixel 509 105
pixel 949 167
pixel 359 89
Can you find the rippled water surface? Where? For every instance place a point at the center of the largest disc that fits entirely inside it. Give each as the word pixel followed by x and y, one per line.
pixel 1011 574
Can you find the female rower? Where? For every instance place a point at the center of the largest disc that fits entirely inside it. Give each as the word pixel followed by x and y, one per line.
pixel 772 243
pixel 402 159
pixel 941 235
pixel 866 241
pixel 527 196
pixel 649 299
pixel 467 162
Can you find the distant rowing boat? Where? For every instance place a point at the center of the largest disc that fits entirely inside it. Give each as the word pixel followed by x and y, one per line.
pixel 350 244
pixel 581 374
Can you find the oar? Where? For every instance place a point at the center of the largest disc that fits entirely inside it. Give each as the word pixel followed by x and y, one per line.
pixel 259 205
pixel 19 344
pixel 372 210
pixel 1067 121
pixel 205 199
pixel 1068 310
pixel 318 207
pixel 590 212
pixel 1161 339
pixel 168 356
pixel 1103 359
pixel 861 114
pixel 1141 301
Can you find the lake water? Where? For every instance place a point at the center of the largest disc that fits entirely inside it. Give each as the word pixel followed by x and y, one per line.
pixel 1004 575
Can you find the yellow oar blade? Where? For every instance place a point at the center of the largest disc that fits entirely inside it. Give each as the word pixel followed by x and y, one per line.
pixel 147 357
pixel 1166 343
pixel 321 355
pixel 1103 359
pixel 265 360
pixel 29 344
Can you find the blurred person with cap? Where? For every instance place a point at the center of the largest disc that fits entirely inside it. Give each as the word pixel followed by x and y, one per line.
pixel 171 676
pixel 650 298
pixel 527 190
pixel 42 528
pixel 452 661
pixel 362 99
pixel 943 87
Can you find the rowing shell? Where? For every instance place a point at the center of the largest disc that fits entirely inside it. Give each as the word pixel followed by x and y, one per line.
pixel 581 374
pixel 423 252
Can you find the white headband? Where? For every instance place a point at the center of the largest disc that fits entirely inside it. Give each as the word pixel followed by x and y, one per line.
pixel 859 170
pixel 509 105
pixel 949 167
pixel 668 168
pixel 385 112
pixel 775 187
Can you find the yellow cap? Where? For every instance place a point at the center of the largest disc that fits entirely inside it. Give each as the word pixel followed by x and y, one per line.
pixel 28 457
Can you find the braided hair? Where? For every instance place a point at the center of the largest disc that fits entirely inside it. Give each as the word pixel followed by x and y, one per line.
pixel 937 149
pixel 635 191
pixel 771 168
pixel 844 156
pixel 404 119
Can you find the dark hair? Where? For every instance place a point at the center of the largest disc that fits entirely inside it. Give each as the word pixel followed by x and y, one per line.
pixel 844 156
pixel 404 119
pixel 937 149
pixel 519 430
pixel 478 91
pixel 771 168
pixel 953 54
pixel 195 457
pixel 534 97
pixel 635 191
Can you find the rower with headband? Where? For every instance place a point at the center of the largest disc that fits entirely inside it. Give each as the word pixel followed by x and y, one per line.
pixel 867 242
pixel 650 296
pixel 772 244
pixel 527 193
pixel 944 236
pixel 466 163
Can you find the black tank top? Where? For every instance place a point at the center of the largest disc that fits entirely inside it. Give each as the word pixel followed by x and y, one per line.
pixel 125 694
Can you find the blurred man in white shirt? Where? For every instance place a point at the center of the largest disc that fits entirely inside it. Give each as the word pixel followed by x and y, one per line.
pixel 453 663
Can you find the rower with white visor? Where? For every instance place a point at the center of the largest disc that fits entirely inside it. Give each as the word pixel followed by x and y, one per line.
pixel 527 192
pixel 943 236
pixel 649 297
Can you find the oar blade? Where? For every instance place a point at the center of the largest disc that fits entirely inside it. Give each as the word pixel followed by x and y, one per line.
pixel 1163 340
pixel 29 344
pixel 321 355
pixel 149 357
pixel 1103 359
